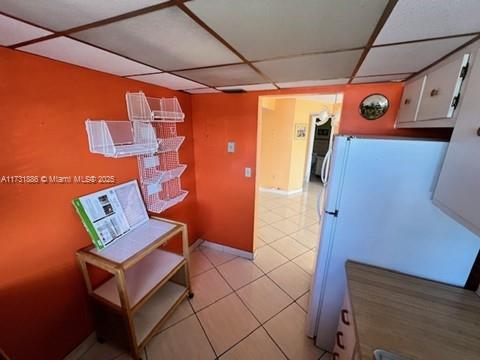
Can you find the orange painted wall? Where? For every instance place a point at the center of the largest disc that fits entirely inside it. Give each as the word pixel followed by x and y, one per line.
pixel 225 196
pixel 43 106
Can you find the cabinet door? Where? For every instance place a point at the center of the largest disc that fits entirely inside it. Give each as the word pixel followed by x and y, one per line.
pixel 345 339
pixel 458 188
pixel 410 101
pixel 442 90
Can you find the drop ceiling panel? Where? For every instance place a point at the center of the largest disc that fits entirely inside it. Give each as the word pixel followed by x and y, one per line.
pixel 271 28
pixel 169 81
pixel 311 67
pixel 407 58
pixel 413 20
pixel 167 38
pixel 255 87
pixel 13 31
pixel 65 14
pixel 311 83
pixel 78 53
pixel 381 78
pixel 224 75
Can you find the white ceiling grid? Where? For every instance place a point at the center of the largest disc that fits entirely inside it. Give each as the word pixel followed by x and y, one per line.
pixel 249 44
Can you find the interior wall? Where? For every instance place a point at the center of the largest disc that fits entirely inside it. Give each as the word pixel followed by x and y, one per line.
pixel 282 155
pixel 277 144
pixel 43 303
pixel 225 196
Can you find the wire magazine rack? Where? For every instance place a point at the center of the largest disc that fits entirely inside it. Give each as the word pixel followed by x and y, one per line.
pixel 151 135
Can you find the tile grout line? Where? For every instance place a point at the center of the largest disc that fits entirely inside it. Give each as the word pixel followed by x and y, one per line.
pixel 206 336
pixel 250 311
pixel 259 322
pixel 216 267
pixel 234 292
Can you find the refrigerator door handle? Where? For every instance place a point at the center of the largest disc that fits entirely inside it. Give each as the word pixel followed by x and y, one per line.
pixel 326 166
pixel 334 213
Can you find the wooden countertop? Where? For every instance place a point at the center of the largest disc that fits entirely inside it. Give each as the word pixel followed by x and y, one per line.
pixel 412 317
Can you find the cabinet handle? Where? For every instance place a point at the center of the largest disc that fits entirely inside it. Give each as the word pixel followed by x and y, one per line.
pixel 340 340
pixel 434 92
pixel 407 101
pixel 345 317
pixel 336 356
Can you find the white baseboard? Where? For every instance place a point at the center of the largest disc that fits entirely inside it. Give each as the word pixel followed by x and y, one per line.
pixel 281 192
pixel 196 244
pixel 81 349
pixel 229 250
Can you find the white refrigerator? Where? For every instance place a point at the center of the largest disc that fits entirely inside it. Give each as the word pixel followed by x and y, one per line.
pixel 377 209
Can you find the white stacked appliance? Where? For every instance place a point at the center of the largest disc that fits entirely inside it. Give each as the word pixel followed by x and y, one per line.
pixel 377 209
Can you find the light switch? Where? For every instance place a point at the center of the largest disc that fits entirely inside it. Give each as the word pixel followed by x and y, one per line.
pixel 231 147
pixel 248 172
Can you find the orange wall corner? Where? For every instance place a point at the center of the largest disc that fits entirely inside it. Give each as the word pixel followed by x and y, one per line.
pixel 44 107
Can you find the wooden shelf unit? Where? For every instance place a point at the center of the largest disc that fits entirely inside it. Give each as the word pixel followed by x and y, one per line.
pixel 147 283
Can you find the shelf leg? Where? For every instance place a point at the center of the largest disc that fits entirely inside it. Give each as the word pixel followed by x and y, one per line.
pixel 126 313
pixel 86 276
pixel 186 254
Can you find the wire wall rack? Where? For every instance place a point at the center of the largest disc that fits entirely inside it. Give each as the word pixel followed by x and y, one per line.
pixel 143 108
pixel 151 135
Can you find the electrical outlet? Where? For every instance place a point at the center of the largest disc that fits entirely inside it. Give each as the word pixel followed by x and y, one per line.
pixel 248 172
pixel 231 147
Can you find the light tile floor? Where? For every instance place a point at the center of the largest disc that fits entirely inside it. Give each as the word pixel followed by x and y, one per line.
pixel 247 309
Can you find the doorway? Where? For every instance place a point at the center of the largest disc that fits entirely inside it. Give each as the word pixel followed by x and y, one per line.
pixel 294 138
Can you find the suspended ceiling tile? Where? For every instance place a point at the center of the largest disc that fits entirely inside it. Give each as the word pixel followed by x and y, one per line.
pixel 308 67
pixel 202 91
pixel 169 81
pixel 255 87
pixel 381 78
pixel 271 28
pixel 65 14
pixel 168 39
pixel 224 75
pixel 413 20
pixel 13 31
pixel 78 53
pixel 407 58
pixel 310 83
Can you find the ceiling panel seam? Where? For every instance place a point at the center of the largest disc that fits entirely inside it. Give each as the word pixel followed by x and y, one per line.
pixel 381 22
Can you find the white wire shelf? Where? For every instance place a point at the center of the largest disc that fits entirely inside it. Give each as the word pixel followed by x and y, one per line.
pixel 170 144
pixel 158 177
pixel 158 205
pixel 143 108
pixel 121 138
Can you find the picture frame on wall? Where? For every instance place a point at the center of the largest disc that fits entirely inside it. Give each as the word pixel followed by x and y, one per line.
pixel 300 131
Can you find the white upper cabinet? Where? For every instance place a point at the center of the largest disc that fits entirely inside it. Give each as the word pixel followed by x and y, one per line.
pixel 410 101
pixel 457 192
pixel 442 90
pixel 433 99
